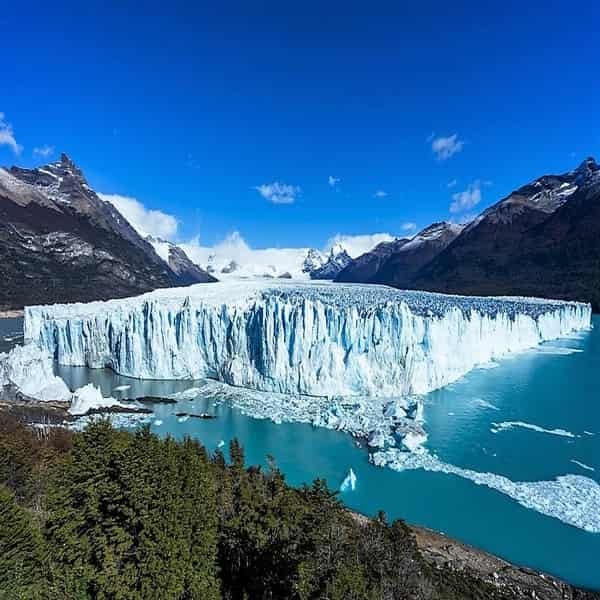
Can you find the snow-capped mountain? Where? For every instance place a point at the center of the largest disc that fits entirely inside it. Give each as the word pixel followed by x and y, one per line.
pixel 234 259
pixel 313 262
pixel 179 262
pixel 60 242
pixel 337 260
pixel 395 262
pixel 543 240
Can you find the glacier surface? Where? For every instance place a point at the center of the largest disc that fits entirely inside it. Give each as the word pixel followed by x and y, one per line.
pixel 312 338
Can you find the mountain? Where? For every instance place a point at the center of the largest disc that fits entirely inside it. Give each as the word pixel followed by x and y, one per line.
pixel 363 268
pixel 399 268
pixel 394 263
pixel 179 262
pixel 59 242
pixel 337 260
pixel 313 262
pixel 541 240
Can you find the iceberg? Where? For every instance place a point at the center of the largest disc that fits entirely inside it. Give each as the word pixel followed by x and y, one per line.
pixel 89 398
pixel 315 339
pixel 349 483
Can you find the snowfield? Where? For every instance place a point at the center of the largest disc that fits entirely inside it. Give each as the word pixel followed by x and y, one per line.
pixel 310 338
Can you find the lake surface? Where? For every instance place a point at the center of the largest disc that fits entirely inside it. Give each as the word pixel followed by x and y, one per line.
pixel 555 388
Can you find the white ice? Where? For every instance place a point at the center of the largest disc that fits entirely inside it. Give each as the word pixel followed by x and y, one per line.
pixel 506 425
pixel 294 338
pixel 88 398
pixel 349 483
pixel 29 369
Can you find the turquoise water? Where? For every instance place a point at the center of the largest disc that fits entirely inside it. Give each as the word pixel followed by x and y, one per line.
pixel 556 388
pixel 11 333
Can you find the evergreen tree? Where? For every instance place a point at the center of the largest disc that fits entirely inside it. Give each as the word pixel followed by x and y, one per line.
pixel 22 553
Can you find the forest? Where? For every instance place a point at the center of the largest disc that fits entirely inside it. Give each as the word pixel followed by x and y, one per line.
pixel 113 514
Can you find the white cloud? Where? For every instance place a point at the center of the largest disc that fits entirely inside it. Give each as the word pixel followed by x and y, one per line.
pixel 43 151
pixel 7 136
pixel 278 193
pixel 333 181
pixel 145 221
pixel 270 261
pixel 452 183
pixel 380 194
pixel 250 261
pixel 445 147
pixel 467 199
pixel 408 227
pixel 355 245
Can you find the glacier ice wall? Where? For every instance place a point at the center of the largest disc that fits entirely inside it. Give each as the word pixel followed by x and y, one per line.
pixel 314 339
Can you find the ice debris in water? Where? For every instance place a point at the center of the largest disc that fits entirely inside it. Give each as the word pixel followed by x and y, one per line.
pixel 506 425
pixel 349 483
pixel 88 398
pixel 573 499
pixel 300 338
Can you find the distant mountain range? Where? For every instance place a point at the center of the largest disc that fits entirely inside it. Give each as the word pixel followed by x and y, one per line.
pixel 59 242
pixel 541 240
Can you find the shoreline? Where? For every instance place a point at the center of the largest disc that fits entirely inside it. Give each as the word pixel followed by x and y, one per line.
pixel 12 314
pixel 440 551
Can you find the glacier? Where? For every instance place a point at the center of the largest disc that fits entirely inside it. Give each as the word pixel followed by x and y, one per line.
pixel 314 339
pixel 29 371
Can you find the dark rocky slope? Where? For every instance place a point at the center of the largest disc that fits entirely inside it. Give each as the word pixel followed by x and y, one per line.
pixel 542 240
pixel 399 268
pixel 59 242
pixel 365 267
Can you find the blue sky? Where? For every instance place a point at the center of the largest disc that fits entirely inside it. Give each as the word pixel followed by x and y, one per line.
pixel 199 111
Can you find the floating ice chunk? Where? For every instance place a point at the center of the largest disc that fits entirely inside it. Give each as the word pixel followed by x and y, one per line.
pixel 505 425
pixel 88 398
pixel 189 394
pixel 573 499
pixel 485 404
pixel 122 388
pixel 414 440
pixel 582 465
pixel 183 419
pixel 488 365
pixel 221 444
pixel 377 439
pixel 349 483
pixel 557 350
pixel 158 422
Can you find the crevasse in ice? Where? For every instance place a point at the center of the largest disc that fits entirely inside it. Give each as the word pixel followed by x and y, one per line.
pixel 300 338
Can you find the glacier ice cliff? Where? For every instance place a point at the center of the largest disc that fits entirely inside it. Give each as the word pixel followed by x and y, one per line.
pixel 300 338
pixel 29 370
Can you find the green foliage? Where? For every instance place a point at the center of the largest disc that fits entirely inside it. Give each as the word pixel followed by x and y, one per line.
pixel 134 516
pixel 21 551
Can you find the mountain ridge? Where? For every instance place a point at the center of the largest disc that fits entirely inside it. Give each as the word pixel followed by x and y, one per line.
pixel 60 242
